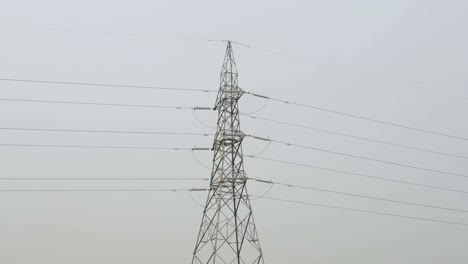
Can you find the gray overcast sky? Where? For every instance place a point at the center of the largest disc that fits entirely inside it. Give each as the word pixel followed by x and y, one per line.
pixel 402 61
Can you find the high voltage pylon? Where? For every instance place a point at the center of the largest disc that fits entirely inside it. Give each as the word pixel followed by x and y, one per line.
pixel 227 232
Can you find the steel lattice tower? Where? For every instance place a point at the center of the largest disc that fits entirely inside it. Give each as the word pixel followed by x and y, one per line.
pixel 227 232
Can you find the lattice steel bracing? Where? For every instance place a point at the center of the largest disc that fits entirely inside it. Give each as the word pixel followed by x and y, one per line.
pixel 227 232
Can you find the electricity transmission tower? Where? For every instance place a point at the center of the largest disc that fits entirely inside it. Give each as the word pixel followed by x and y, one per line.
pixel 227 232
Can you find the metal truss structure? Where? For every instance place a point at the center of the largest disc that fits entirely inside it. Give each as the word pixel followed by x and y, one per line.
pixel 227 232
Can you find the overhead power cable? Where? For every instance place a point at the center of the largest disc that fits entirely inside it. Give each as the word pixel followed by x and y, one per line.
pixel 393 82
pixel 99 179
pixel 359 117
pixel 105 131
pixel 356 137
pixel 100 104
pixel 104 190
pixel 201 122
pixel 199 162
pixel 358 195
pixel 202 149
pixel 204 190
pixel 358 174
pixel 277 53
pixel 99 147
pixel 119 34
pixel 366 211
pixel 107 85
pixel 366 158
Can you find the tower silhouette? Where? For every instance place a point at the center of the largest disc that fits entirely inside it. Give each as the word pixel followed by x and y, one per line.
pixel 227 232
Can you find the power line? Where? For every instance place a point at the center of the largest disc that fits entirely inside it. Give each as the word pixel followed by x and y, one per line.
pixel 277 53
pixel 197 149
pixel 361 74
pixel 201 122
pixel 99 147
pixel 108 85
pixel 359 195
pixel 99 179
pixel 365 211
pixel 358 117
pixel 99 104
pixel 356 137
pixel 366 158
pixel 203 190
pixel 104 131
pixel 69 30
pixel 103 190
pixel 358 174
